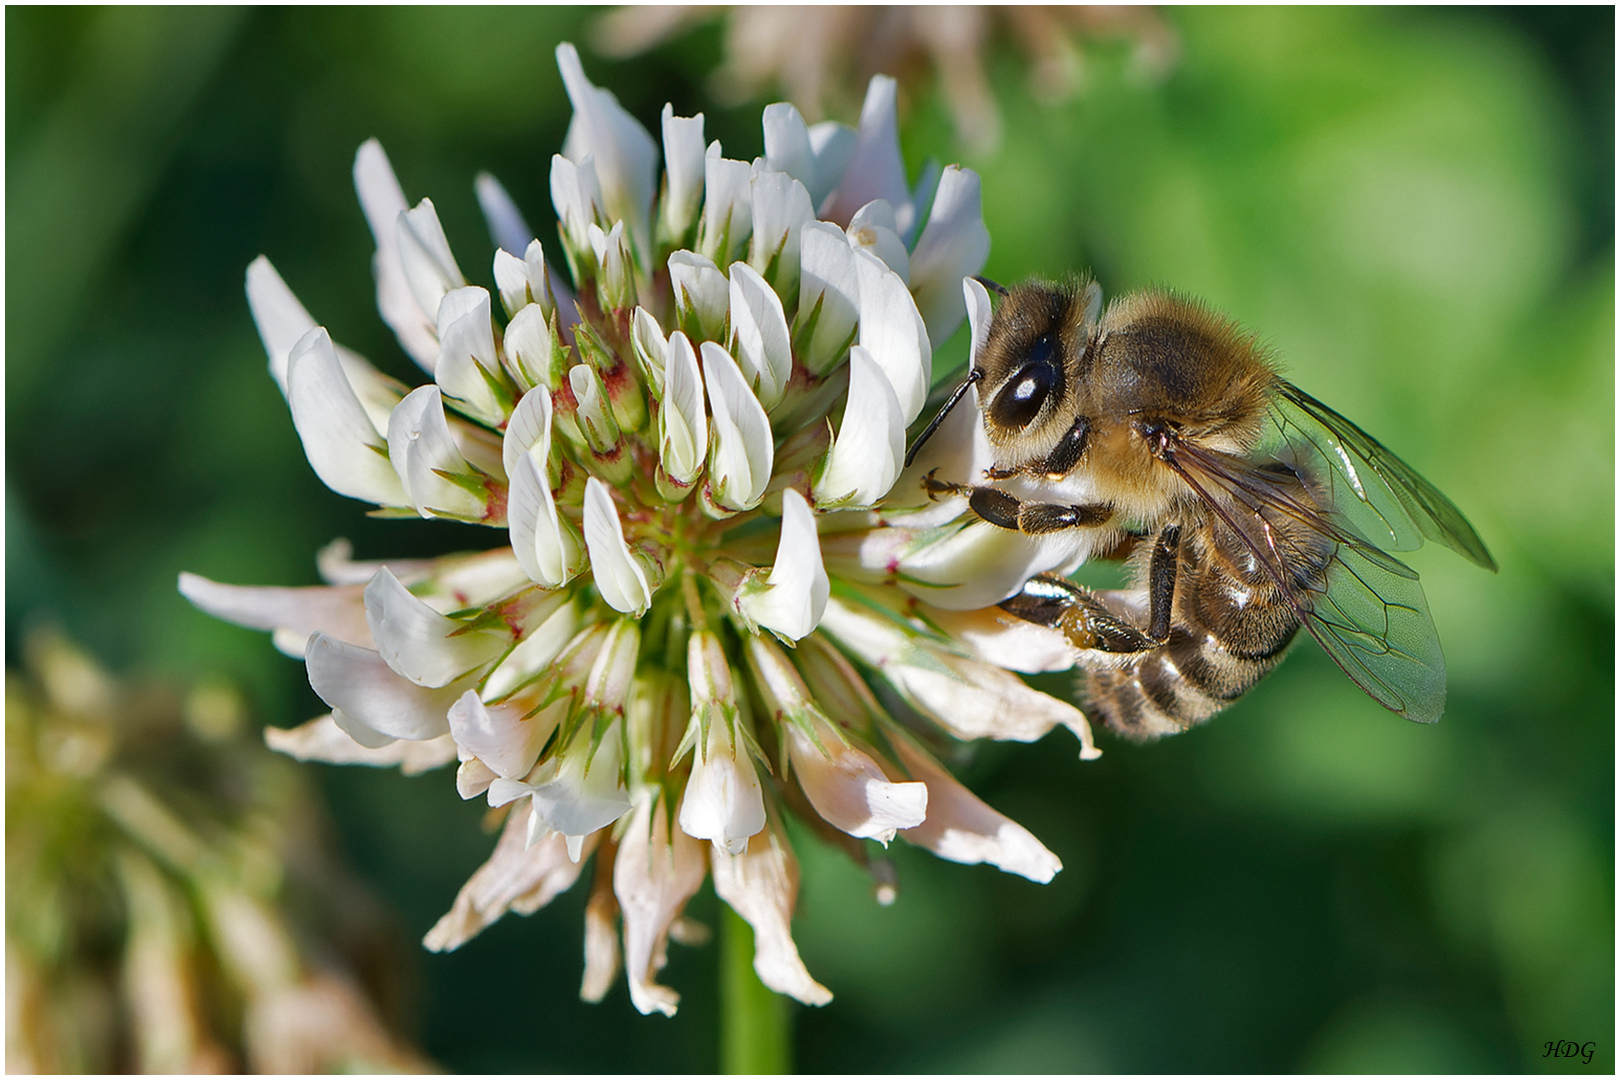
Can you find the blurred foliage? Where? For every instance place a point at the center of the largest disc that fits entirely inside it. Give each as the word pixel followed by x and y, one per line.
pixel 1415 207
pixel 172 904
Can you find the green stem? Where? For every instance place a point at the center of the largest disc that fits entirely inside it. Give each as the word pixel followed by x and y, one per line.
pixel 756 1032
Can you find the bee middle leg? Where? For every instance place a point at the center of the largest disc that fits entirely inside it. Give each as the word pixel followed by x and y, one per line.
pixel 1032 518
pixel 1085 620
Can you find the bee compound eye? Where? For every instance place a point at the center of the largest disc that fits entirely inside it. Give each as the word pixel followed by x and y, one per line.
pixel 1021 397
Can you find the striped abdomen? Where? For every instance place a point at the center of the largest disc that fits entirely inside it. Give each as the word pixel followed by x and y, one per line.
pixel 1230 626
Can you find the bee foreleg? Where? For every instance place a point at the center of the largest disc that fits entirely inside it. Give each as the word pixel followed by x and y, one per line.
pixel 1032 518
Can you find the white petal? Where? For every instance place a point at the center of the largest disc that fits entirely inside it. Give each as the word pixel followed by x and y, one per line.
pixel 473 777
pixel 976 299
pixel 511 281
pixel 543 541
pixel 615 285
pixel 701 293
pixel 1004 640
pixel 829 292
pixel 339 439
pixel 893 332
pixel 281 319
pixel 601 940
pixel 577 198
pixel 422 451
pixel 708 677
pixel 618 571
pixel 683 169
pixel 980 564
pixel 727 207
pixel 322 740
pixel 833 145
pixel 781 209
pixel 866 455
pixel 418 642
pixel 367 691
pixel 362 733
pixel 337 566
pixel 466 361
pixel 506 225
pixel 626 155
pixel 923 192
pixel 849 790
pixel 383 202
pixel 529 345
pixel 962 828
pixel 742 451
pixel 759 335
pixel 762 885
pixel 607 685
pixel 430 269
pixel 683 426
pixel 723 800
pixel 337 610
pixel 529 430
pixel 551 629
pixel 958 450
pixel 795 594
pixel 872 230
pixel 648 342
pixel 846 787
pixel 787 144
pixel 466 581
pixel 576 792
pixel 876 170
pixel 953 246
pixel 282 322
pixel 970 699
pixel 514 877
pixel 499 735
pixel 657 870
pixel 592 411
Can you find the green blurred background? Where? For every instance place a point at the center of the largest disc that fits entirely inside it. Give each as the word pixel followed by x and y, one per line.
pixel 1415 207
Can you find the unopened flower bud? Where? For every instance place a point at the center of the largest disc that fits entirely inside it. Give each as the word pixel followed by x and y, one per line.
pixel 727 207
pixel 615 285
pixel 683 167
pixel 701 295
pixel 683 427
pixel 742 451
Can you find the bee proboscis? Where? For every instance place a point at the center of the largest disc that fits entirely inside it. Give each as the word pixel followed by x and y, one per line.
pixel 1247 507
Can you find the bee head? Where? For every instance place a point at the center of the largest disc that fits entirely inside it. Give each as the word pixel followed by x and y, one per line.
pixel 1034 366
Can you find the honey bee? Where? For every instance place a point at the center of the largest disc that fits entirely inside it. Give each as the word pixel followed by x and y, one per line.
pixel 1246 507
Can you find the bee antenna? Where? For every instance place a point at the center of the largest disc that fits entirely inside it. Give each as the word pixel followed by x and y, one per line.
pixel 933 425
pixel 995 287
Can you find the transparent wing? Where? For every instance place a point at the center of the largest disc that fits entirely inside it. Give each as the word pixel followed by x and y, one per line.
pixel 1381 497
pixel 1373 620
pixel 1364 606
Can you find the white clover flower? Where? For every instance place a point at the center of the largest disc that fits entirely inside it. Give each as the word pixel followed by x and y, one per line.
pixel 712 549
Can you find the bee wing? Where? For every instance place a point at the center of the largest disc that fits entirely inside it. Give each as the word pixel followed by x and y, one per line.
pixel 1372 618
pixel 1366 609
pixel 1382 497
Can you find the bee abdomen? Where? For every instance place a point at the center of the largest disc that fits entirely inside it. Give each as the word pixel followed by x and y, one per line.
pixel 1184 682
